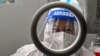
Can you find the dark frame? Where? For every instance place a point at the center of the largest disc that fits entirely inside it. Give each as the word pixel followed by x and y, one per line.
pixel 78 43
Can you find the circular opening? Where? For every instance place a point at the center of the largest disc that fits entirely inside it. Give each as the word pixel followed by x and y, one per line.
pixel 56 33
pixel 80 36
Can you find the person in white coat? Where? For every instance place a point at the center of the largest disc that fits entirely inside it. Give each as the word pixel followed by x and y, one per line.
pixel 55 31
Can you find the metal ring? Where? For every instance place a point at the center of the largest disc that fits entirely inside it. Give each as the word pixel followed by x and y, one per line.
pixel 82 34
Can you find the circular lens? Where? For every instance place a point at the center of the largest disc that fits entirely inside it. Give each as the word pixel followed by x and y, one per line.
pixel 57 29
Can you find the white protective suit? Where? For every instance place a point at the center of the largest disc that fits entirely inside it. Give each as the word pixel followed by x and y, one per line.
pixel 57 41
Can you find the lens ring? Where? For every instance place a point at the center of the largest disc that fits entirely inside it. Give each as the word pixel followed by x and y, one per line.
pixel 36 18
